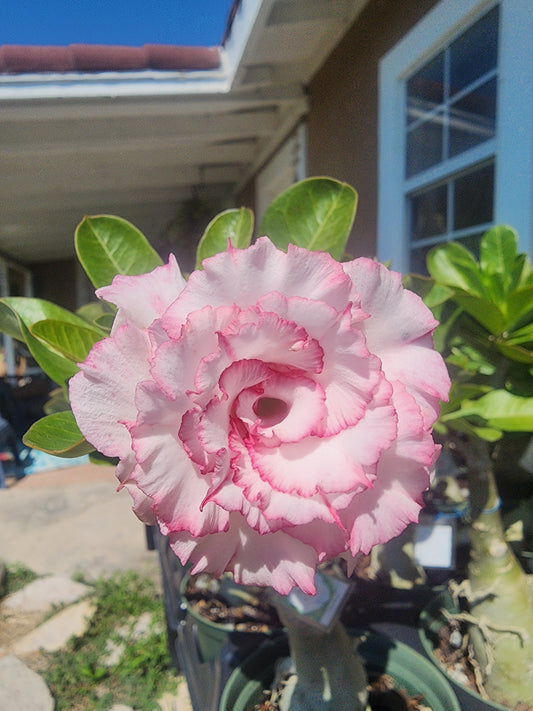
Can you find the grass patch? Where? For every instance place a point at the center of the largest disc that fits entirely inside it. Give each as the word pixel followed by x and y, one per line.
pixel 17 576
pixel 79 677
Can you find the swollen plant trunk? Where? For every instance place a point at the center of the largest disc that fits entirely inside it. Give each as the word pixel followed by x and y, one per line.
pixel 329 673
pixel 501 593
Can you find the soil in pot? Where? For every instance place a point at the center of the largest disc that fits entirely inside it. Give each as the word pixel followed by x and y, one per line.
pixel 383 695
pixel 245 609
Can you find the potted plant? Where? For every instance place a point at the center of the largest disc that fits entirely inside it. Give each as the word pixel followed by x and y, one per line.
pixel 271 413
pixel 486 333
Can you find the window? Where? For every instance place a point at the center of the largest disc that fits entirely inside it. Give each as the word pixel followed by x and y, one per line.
pixel 449 165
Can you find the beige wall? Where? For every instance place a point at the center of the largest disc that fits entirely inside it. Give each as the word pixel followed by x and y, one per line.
pixel 343 119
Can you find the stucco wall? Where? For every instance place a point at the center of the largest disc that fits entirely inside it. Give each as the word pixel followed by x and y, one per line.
pixel 343 119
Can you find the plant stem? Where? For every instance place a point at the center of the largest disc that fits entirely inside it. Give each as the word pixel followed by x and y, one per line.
pixel 330 675
pixel 501 592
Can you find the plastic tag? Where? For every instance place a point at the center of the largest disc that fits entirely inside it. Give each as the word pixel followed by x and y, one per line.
pixel 434 545
pixel 323 609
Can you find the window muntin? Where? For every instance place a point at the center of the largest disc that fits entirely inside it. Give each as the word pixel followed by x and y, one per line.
pixel 450 110
pixel 459 208
pixel 451 100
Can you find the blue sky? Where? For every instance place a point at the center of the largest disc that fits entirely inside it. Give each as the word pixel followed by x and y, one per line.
pixel 130 22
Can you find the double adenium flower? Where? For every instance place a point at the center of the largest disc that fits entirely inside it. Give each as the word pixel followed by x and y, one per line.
pixel 269 414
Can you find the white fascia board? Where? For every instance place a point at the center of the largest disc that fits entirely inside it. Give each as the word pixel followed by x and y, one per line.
pixel 241 29
pixel 113 84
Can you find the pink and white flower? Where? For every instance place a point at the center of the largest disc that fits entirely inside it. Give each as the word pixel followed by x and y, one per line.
pixel 273 412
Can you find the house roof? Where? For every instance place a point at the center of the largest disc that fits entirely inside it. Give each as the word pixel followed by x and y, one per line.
pixel 24 59
pixel 89 129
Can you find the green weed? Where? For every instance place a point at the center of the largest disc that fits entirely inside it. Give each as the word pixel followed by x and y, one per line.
pixel 78 676
pixel 17 576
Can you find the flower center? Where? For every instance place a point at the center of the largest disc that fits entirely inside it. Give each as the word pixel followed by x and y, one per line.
pixel 270 410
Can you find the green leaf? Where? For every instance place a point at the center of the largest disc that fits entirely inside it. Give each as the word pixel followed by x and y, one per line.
pixel 453 265
pixel 498 251
pixel 107 246
pixel 236 225
pixel 71 340
pixel 502 410
pixel 57 434
pixel 26 312
pixel 483 309
pixel 316 213
pixel 57 402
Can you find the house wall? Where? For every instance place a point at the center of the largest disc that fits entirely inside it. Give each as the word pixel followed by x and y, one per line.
pixel 342 124
pixel 55 282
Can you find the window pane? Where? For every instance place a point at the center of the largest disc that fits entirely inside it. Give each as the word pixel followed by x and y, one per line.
pixel 417 263
pixel 424 146
pixel 425 89
pixel 475 52
pixel 428 213
pixel 472 243
pixel 473 198
pixel 473 118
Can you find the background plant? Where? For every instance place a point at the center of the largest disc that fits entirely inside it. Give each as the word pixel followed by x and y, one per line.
pixel 485 308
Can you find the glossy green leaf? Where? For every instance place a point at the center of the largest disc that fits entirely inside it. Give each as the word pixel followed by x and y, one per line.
pixel 498 251
pixel 236 225
pixel 454 266
pixel 57 434
pixel 107 246
pixel 515 353
pixel 501 410
pixel 92 311
pixel 316 213
pixel 57 402
pixel 105 322
pixel 483 309
pixel 71 340
pixel 26 312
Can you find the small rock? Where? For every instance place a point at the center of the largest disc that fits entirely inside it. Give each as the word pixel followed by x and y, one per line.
pixel 43 593
pixel 21 688
pixel 120 707
pixel 55 632
pixel 180 701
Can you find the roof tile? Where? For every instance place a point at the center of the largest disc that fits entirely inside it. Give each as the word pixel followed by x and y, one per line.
pixel 24 59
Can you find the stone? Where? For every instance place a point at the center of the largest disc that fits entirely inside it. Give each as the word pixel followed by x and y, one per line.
pixel 21 688
pixel 55 632
pixel 44 593
pixel 180 701
pixel 120 707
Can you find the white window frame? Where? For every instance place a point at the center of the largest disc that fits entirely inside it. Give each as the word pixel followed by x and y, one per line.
pixel 6 342
pixel 512 147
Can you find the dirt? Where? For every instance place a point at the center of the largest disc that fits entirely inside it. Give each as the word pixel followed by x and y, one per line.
pixel 255 615
pixel 452 654
pixel 382 696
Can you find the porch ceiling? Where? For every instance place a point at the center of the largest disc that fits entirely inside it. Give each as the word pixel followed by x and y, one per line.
pixel 139 156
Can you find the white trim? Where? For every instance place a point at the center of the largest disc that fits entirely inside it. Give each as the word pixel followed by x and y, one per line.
pixel 514 163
